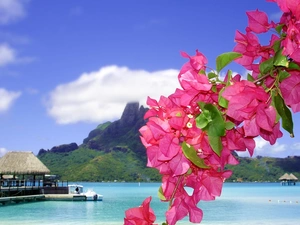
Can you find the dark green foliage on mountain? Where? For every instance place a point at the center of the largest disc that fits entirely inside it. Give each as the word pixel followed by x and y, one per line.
pixel 90 165
pixel 264 168
pixel 121 133
pixel 113 151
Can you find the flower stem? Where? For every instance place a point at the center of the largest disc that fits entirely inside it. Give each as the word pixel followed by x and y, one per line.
pixel 175 189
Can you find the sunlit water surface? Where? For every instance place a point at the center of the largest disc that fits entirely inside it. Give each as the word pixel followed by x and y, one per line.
pixel 239 204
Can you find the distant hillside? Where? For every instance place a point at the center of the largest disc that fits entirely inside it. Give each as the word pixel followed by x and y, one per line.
pixel 92 165
pixel 264 168
pixel 113 151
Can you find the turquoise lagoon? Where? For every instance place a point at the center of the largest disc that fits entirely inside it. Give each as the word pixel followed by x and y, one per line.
pixel 239 204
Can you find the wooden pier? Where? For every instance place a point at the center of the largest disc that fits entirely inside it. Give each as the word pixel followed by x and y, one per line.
pixel 65 197
pixel 19 199
pixel 41 197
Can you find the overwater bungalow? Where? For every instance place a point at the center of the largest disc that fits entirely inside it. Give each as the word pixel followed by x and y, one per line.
pixel 288 179
pixel 22 173
pixel 23 178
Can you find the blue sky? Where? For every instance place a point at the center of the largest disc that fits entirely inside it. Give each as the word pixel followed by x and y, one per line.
pixel 67 66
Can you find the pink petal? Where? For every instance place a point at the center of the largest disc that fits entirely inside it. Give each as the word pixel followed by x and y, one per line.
pixel 258 21
pixel 290 89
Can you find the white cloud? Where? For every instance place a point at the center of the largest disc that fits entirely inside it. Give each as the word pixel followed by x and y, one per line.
pixel 263 148
pixel 261 143
pixel 7 98
pixel 7 54
pixel 296 146
pixel 101 95
pixel 11 10
pixel 3 151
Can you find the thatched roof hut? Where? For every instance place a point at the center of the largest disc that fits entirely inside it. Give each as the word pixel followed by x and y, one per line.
pixel 285 177
pixel 293 177
pixel 13 163
pixel 289 179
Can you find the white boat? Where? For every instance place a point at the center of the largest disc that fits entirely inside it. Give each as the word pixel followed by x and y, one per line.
pixel 90 195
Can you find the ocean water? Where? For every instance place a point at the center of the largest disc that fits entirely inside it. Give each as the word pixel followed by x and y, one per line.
pixel 239 204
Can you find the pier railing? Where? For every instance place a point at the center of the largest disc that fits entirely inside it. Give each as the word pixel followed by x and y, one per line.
pixel 16 187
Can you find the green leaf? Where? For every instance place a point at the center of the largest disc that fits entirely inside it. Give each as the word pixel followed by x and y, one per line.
pixel 277 46
pixel 226 58
pixel 191 154
pixel 280 60
pixel 202 72
pixel 202 120
pixel 283 74
pixel 266 66
pixel 222 101
pixel 216 144
pixel 229 125
pixel 161 194
pixel 212 75
pixel 214 89
pixel 249 77
pixel 215 125
pixel 229 77
pixel 285 113
pixel 189 172
pixel 279 28
pixel 294 66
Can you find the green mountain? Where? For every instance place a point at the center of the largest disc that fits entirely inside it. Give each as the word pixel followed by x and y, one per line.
pixel 113 151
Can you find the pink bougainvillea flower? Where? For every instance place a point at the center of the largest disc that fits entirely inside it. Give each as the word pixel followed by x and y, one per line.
pixel 179 164
pixel 142 215
pixel 152 155
pixel 244 98
pixel 291 27
pixel 192 80
pixel 272 136
pixel 207 184
pixel 195 214
pixel 289 6
pixel 264 119
pixel 168 147
pixel 248 45
pixel 196 62
pixel 177 212
pixel 290 89
pixel 291 44
pixel 226 158
pixel 183 206
pixel 236 140
pixel 169 183
pixel 158 108
pixel 189 77
pixel 258 22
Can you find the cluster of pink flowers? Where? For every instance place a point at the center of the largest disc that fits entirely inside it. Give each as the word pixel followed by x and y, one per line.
pixel 190 135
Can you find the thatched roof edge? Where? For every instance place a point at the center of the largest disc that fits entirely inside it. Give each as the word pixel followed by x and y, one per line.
pixel 288 177
pixel 22 163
